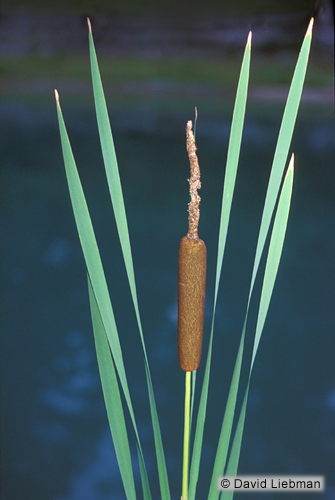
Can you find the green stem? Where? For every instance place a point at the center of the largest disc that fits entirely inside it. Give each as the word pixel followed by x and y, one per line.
pixel 186 435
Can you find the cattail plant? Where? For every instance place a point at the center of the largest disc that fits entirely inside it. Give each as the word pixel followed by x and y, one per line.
pixel 191 294
pixel 191 288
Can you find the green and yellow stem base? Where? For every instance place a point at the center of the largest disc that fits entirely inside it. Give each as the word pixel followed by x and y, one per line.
pixel 186 435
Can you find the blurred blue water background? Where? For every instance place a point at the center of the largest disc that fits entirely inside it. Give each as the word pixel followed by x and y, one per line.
pixel 55 441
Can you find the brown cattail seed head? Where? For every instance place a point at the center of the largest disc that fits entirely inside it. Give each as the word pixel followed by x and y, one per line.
pixel 191 301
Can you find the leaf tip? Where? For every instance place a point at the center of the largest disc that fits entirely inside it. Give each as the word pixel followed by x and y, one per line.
pixel 57 97
pixel 249 37
pixel 89 25
pixel 291 165
pixel 310 27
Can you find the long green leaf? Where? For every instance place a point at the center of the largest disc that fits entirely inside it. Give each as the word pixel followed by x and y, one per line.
pixel 227 423
pixel 97 277
pixel 112 398
pixel 283 143
pixel 271 269
pixel 232 160
pixel 228 191
pixel 236 447
pixel 114 183
pixel 274 254
pixel 226 428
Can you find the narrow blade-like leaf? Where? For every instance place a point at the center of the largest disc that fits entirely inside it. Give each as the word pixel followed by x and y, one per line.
pixel 274 254
pixel 234 456
pixel 270 273
pixel 234 148
pixel 228 191
pixel 96 276
pixel 112 398
pixel 227 423
pixel 114 183
pixel 283 143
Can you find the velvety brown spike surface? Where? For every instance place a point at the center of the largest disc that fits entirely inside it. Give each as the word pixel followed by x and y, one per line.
pixel 191 301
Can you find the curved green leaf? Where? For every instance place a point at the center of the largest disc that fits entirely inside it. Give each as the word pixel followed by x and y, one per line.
pixel 114 183
pixel 112 398
pixel 228 191
pixel 97 277
pixel 271 269
pixel 283 143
